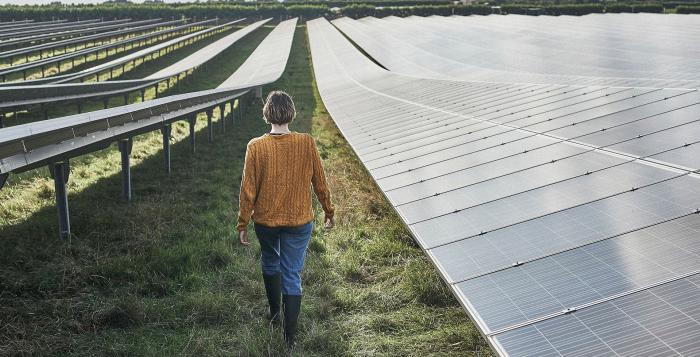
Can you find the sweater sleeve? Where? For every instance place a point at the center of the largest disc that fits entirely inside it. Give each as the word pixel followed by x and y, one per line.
pixel 319 182
pixel 249 190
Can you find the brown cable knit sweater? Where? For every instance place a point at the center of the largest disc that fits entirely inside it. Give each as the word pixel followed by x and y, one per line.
pixel 278 175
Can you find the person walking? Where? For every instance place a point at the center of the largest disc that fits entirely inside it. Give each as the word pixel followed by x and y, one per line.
pixel 281 169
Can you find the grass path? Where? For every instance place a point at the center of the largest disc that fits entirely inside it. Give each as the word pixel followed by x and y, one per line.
pixel 165 276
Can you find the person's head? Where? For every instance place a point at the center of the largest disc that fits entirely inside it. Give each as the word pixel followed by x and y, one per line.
pixel 279 108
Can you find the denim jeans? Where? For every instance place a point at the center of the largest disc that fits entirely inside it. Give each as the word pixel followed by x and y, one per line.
pixel 282 250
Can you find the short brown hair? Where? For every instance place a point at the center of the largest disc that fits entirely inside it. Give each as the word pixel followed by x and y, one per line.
pixel 279 108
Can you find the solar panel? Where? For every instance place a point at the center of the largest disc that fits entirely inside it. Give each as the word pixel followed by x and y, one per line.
pixel 543 204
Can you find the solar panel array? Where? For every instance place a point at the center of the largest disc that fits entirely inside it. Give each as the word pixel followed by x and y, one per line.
pixel 564 217
pixel 22 68
pixel 54 142
pixel 65 32
pixel 17 154
pixel 94 39
pixel 21 96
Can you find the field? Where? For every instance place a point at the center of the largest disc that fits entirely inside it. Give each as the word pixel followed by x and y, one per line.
pixel 164 274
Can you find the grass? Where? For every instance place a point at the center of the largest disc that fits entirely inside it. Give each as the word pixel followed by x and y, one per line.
pixel 164 274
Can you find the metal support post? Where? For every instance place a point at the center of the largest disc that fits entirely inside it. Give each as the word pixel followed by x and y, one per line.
pixel 125 147
pixel 105 102
pixel 2 124
pixel 143 95
pixel 60 172
pixel 80 107
pixel 258 92
pixel 166 130
pixel 222 117
pixel 192 120
pixel 3 179
pixel 210 129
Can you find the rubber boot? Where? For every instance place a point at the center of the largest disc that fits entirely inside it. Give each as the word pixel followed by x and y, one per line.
pixel 273 288
pixel 292 305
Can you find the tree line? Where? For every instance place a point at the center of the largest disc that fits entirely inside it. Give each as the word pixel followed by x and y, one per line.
pixel 314 9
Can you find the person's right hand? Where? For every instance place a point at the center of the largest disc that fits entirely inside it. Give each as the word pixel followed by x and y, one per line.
pixel 330 222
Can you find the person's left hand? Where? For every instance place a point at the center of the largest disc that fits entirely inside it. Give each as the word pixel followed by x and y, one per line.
pixel 330 222
pixel 243 237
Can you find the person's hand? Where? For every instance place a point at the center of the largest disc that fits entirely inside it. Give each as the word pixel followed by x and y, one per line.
pixel 243 237
pixel 330 222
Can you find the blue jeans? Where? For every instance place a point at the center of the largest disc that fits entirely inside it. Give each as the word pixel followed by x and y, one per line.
pixel 282 250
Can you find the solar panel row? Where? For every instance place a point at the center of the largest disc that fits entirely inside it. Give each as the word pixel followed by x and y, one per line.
pixel 57 28
pixel 559 214
pixel 55 142
pixel 91 40
pixel 22 68
pixel 588 51
pixel 67 33
pixel 272 52
pixel 5 31
pixel 20 96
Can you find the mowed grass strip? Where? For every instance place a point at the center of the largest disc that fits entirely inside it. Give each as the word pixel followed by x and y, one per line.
pixel 164 275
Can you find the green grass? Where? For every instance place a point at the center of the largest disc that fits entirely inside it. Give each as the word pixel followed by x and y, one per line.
pixel 164 275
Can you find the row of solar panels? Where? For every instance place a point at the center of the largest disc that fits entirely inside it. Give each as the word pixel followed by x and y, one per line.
pixel 55 135
pixel 28 22
pixel 34 36
pixel 22 96
pixel 102 36
pixel 56 28
pixel 524 49
pixel 46 27
pixel 187 28
pixel 55 141
pixel 564 217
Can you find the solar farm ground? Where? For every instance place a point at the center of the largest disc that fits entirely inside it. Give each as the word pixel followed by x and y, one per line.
pixel 164 275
